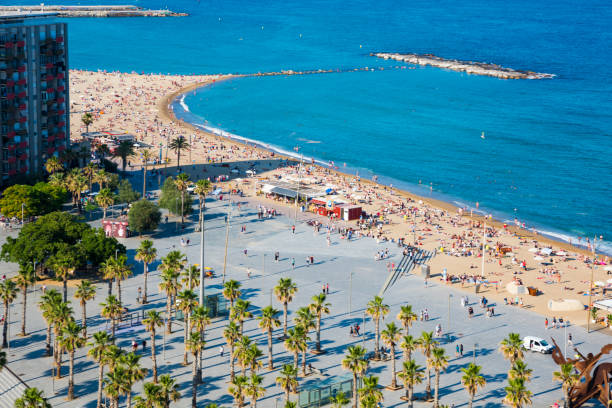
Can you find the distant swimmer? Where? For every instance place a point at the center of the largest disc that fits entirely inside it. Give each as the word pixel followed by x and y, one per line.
pixel 482 136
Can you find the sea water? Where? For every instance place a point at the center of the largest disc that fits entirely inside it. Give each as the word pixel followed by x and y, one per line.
pixel 545 155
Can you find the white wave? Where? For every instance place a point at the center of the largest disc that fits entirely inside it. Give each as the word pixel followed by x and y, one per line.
pixel 183 104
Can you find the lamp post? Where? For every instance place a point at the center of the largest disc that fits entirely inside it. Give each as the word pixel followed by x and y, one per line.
pixel 363 335
pixel 202 289
pixel 591 286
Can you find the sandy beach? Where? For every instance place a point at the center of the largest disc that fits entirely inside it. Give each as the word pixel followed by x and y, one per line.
pixel 139 104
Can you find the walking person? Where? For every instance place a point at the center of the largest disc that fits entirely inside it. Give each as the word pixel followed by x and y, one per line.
pixel 221 351
pixel 292 264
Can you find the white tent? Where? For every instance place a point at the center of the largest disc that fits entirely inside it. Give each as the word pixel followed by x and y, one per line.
pixel 546 251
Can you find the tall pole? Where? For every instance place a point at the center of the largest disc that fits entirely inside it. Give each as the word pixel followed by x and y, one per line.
pixel 449 312
pixel 484 245
pixel 363 335
pixel 202 285
pixel 591 287
pixel 227 225
pixel 297 197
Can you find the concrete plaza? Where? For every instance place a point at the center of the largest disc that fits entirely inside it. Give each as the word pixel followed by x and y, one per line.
pixel 333 265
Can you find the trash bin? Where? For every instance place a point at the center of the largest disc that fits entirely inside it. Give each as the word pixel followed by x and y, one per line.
pixel 425 270
pixel 477 288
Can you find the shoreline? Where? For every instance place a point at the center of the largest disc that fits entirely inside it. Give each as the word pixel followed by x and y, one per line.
pixel 166 111
pixel 91 11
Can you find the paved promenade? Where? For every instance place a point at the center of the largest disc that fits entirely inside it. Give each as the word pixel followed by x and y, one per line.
pixel 333 265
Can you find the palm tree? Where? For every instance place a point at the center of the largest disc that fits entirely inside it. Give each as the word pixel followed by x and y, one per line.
pixel 390 337
pixel 472 380
pixel 124 150
pixel 116 384
pixel 339 400
pixel 284 291
pixel 146 157
pixel 151 399
pixel 90 171
pixel 98 352
pixel 170 286
pixel 25 278
pixel 426 345
pixel 517 395
pixel 409 344
pixel 101 178
pixel 240 313
pixel 512 347
pixel 117 269
pixel 187 299
pixel 191 277
pixel 377 309
pixel 70 341
pixel 254 390
pixel 146 254
pixel 8 293
pixel 53 165
pixel 64 266
pixel 267 322
pixel 32 398
pixel 406 316
pixel 76 183
pixel 105 199
pixel 242 352
pixel 61 315
pixel 411 375
pixel 231 291
pixel 195 344
pixel 57 180
pixel 568 379
pixel 319 307
pixel 355 362
pixel 112 310
pixel 151 323
pixel 296 343
pixel 237 389
pixel 438 362
pixel 199 320
pixel 253 356
pixel 134 373
pixel 169 390
pixel 519 370
pixel 87 120
pixel 369 394
pixel 201 189
pixel 231 334
pixel 177 144
pixel 287 380
pixel 182 183
pixel 305 318
pixel 47 304
pixel 85 292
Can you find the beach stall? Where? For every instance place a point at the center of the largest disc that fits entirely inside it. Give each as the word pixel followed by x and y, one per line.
pixel 115 229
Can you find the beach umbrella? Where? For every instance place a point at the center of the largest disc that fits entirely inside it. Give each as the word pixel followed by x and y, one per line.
pixel 533 249
pixel 546 251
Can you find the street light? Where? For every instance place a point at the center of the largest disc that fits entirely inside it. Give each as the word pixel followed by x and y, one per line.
pixel 591 286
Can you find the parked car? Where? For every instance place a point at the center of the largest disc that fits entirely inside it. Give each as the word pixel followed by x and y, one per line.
pixel 537 344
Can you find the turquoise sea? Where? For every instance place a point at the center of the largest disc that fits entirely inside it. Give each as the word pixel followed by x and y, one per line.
pixel 545 158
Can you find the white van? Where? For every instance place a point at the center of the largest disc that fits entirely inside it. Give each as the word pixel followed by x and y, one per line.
pixel 537 344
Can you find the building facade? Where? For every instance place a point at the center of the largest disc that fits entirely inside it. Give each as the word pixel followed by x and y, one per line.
pixel 34 117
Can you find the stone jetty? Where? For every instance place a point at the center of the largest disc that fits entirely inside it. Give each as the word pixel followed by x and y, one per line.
pixel 470 67
pixel 90 11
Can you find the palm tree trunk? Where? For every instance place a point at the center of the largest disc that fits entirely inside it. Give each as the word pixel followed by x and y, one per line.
pixel 286 395
pixel 48 344
pixel 285 319
pixel 318 346
pixel 296 357
pixel 241 327
pixel 354 389
pixel 25 301
pixel 153 358
pixel 168 317
pixel 232 368
pixel 128 403
pixel 393 380
pixel 119 290
pixel 71 377
pixel 144 181
pixel 5 326
pixel 437 389
pixel 410 404
pixel 376 350
pixel 58 361
pixel 182 208
pixel 270 362
pixel 113 329
pixel 304 363
pixel 471 401
pixel 185 362
pixel 428 388
pixel 254 402
pixel 84 320
pixel 405 329
pixel 178 159
pixel 104 212
pixel 65 282
pixel 194 381
pixel 100 376
pixel 146 278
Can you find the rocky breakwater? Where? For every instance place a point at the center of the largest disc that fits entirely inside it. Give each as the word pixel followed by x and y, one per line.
pixel 470 67
pixel 91 11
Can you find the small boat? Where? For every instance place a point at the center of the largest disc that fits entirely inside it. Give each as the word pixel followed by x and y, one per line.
pixel 482 136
